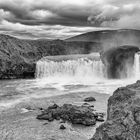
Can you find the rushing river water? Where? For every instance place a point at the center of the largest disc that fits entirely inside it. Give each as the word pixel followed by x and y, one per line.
pixel 63 77
pixel 16 91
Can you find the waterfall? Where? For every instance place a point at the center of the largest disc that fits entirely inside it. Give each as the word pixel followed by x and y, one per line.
pixel 73 66
pixel 137 65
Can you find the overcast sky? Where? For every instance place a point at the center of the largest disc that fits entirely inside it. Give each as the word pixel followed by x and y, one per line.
pixel 66 18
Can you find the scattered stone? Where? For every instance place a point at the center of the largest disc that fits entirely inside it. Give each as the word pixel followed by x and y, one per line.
pixel 68 112
pixel 45 123
pixel 50 119
pixel 53 106
pixel 85 104
pixel 62 121
pixel 100 114
pixel 62 127
pixel 24 110
pixel 89 99
pixel 92 106
pixel 29 108
pixel 100 119
pixel 41 108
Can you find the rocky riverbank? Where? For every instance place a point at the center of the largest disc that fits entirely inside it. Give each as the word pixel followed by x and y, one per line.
pixel 123 115
pixel 20 123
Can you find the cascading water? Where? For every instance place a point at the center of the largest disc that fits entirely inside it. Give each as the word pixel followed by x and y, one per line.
pixel 82 66
pixel 57 75
pixel 137 65
pixel 79 67
pixel 89 70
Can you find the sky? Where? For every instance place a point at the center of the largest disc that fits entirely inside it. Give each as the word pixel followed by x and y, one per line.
pixel 60 19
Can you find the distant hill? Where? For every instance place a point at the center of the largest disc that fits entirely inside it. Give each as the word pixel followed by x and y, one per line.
pixel 18 57
pixel 110 38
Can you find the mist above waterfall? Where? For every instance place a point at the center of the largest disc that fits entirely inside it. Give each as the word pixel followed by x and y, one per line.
pixel 118 38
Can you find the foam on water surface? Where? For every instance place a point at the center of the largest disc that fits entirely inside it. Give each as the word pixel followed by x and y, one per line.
pixel 64 75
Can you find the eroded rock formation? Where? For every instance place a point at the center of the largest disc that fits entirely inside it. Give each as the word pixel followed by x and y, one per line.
pixel 123 115
pixel 119 60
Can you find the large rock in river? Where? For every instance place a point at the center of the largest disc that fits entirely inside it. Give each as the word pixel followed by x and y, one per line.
pixel 72 113
pixel 123 120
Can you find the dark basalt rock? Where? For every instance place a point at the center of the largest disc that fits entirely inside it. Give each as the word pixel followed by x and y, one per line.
pixel 118 59
pixel 72 113
pixel 62 127
pixel 53 106
pixel 89 99
pixel 123 118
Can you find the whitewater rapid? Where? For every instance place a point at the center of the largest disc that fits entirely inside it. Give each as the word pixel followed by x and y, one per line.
pixel 64 75
pixel 81 66
pixel 82 70
pixel 75 67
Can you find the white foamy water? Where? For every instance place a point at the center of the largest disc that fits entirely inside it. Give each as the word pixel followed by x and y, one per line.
pixel 75 67
pixel 137 66
pixel 64 75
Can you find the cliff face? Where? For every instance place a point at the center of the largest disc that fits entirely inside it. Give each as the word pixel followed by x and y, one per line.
pixel 118 60
pixel 123 121
pixel 18 57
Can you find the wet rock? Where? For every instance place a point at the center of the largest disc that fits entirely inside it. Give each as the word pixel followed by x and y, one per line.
pixel 89 99
pixel 62 121
pixel 45 123
pixel 41 108
pixel 72 113
pixel 24 110
pixel 123 115
pixel 135 85
pixel 86 104
pixel 54 106
pixel 91 106
pixel 62 127
pixel 100 119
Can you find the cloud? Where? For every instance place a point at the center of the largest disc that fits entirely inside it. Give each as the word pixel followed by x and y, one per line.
pixel 117 14
pixel 32 18
pixel 41 31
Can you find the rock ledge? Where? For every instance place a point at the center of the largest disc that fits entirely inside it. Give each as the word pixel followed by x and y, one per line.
pixel 123 115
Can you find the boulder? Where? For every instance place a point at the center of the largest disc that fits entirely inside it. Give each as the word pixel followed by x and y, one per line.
pixel 62 127
pixel 75 114
pixel 89 99
pixel 123 115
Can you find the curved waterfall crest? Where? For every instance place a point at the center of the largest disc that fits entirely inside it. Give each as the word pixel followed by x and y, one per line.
pixel 76 66
pixel 81 66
